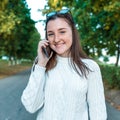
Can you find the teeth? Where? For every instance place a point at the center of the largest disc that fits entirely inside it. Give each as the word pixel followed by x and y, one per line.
pixel 58 44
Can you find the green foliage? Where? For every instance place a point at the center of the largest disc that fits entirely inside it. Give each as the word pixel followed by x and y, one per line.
pixel 32 45
pixel 17 30
pixel 111 75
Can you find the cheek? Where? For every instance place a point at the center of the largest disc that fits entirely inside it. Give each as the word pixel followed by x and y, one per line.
pixel 52 46
pixel 50 41
pixel 70 39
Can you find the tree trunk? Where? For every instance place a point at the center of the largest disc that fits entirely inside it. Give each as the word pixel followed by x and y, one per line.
pixel 118 54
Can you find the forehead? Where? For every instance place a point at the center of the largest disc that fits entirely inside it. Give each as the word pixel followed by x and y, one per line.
pixel 57 24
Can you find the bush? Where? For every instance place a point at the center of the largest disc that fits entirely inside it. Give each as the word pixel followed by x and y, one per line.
pixel 111 75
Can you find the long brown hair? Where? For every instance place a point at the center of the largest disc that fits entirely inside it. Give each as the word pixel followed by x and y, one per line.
pixel 76 51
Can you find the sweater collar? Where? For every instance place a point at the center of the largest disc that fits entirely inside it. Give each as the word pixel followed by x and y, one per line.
pixel 63 59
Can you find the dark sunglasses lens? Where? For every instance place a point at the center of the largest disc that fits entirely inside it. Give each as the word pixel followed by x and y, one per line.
pixel 51 14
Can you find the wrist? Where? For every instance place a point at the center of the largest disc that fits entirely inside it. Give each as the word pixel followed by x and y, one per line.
pixel 42 64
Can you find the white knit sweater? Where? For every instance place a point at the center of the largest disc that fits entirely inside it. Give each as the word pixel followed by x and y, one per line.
pixel 63 95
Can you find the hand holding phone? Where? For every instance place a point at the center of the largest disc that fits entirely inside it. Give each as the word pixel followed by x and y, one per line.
pixel 47 51
pixel 44 53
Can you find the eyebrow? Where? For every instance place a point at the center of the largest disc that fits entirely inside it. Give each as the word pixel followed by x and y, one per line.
pixel 59 29
pixel 62 28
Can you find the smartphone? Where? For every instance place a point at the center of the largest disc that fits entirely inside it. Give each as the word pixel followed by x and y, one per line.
pixel 47 51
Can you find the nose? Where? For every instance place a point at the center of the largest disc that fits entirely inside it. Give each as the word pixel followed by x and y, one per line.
pixel 56 38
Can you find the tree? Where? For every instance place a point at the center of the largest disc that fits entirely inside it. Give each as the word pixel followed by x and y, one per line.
pixel 17 29
pixel 98 23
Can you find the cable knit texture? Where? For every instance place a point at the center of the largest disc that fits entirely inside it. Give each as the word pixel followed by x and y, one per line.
pixel 62 94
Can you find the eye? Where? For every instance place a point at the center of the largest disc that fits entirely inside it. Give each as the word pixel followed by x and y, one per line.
pixel 50 34
pixel 62 32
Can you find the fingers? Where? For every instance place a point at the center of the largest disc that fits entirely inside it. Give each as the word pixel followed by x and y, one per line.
pixel 43 43
pixel 42 59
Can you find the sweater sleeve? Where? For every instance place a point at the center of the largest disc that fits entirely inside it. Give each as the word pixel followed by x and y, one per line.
pixel 95 95
pixel 33 95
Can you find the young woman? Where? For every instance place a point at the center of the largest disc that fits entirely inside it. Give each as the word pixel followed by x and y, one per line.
pixel 67 85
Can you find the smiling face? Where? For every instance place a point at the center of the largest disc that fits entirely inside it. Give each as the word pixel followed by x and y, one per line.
pixel 59 34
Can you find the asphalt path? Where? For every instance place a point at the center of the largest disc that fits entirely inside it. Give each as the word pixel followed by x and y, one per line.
pixel 11 108
pixel 11 89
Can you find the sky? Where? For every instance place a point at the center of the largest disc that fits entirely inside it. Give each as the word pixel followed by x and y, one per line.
pixel 35 15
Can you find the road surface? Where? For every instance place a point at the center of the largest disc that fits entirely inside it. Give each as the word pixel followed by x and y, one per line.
pixel 11 89
pixel 11 108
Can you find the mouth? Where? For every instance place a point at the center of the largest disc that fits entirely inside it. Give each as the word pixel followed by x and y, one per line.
pixel 59 44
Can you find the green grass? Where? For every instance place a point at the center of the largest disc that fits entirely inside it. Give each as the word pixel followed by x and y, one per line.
pixel 6 70
pixel 111 75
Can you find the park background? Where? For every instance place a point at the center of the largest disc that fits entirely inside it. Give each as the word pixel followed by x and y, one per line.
pixel 98 23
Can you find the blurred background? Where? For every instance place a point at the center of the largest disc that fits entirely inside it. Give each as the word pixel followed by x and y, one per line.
pixel 98 23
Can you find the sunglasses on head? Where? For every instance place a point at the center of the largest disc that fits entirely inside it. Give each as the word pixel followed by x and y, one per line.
pixel 63 11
